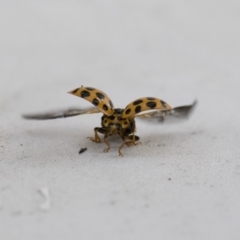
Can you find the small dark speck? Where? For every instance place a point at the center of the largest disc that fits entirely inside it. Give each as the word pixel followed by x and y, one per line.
pixel 82 150
pixel 169 179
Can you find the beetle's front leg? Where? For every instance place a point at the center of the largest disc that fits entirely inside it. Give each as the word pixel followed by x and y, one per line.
pixel 105 140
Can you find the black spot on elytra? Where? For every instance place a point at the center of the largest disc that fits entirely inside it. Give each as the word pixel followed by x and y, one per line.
pixel 100 95
pixel 151 98
pixel 74 91
pixel 90 88
pixel 163 103
pixel 95 102
pixel 138 109
pixel 125 122
pixel 137 102
pixel 118 111
pixel 112 117
pixel 119 118
pixel 151 105
pixel 111 104
pixel 128 111
pixel 105 107
pixel 85 94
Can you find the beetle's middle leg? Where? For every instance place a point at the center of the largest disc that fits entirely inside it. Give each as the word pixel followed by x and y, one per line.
pixel 96 137
pixel 133 141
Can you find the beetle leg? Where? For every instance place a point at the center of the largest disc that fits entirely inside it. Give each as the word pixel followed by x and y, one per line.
pixel 105 140
pixel 119 149
pixel 96 137
pixel 133 139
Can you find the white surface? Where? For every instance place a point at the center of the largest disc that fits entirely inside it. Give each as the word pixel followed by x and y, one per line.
pixel 183 182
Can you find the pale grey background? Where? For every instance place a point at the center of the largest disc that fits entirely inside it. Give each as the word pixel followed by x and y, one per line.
pixel 183 182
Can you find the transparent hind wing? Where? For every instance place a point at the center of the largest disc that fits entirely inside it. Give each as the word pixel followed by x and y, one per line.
pixel 176 114
pixel 71 112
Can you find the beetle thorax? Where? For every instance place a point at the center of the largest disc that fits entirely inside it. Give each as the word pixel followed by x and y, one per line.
pixel 115 123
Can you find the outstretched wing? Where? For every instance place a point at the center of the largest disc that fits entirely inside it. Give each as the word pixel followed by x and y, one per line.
pixel 61 114
pixel 97 97
pixel 144 104
pixel 173 115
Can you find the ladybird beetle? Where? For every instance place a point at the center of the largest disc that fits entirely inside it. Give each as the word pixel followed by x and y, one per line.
pixel 118 121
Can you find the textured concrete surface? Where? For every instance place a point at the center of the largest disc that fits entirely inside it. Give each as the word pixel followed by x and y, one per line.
pixel 183 182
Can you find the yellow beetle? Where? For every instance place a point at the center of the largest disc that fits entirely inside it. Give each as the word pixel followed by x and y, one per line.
pixel 117 121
